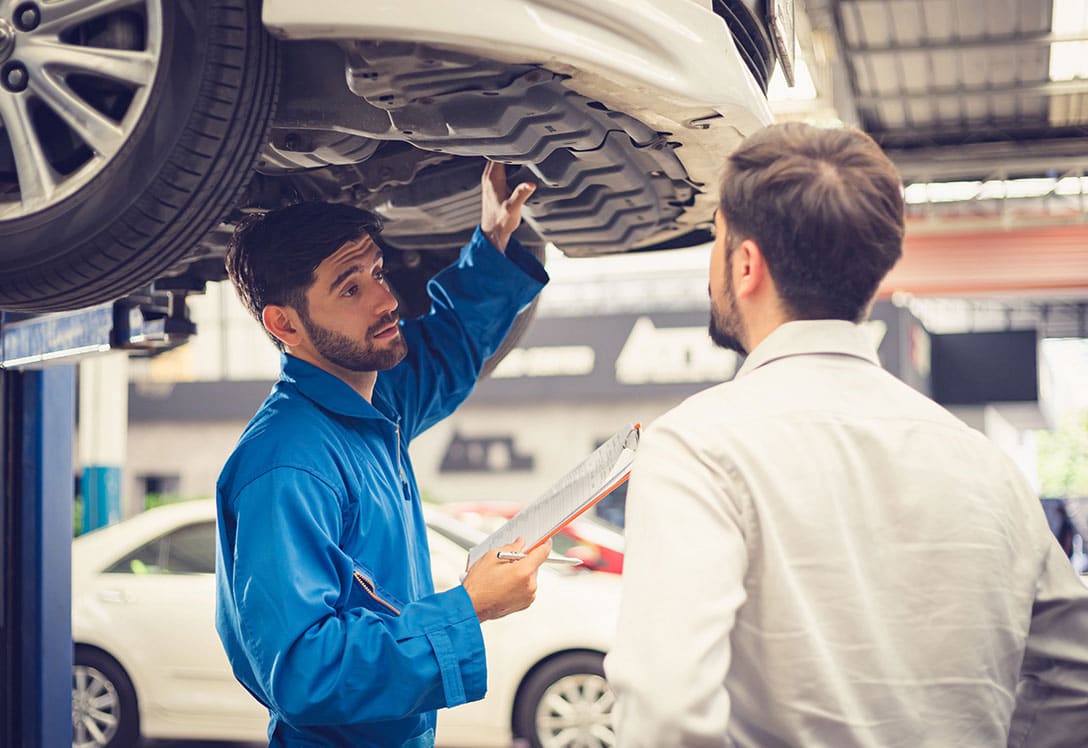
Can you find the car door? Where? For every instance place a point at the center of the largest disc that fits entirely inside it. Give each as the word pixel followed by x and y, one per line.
pixel 164 596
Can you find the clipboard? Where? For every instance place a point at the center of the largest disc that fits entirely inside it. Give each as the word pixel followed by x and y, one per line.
pixel 605 470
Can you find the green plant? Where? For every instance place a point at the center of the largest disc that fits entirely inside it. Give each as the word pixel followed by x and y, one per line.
pixel 427 497
pixel 1063 457
pixel 153 500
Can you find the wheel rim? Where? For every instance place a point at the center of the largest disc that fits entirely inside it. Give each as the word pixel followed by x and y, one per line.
pixel 576 712
pixel 75 77
pixel 96 708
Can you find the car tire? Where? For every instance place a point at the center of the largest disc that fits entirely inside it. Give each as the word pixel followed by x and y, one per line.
pixel 573 681
pixel 105 713
pixel 172 169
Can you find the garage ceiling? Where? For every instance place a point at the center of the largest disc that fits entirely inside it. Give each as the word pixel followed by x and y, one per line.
pixel 965 89
pixel 983 106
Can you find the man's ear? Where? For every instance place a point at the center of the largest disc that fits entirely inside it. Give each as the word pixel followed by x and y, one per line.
pixel 283 323
pixel 751 275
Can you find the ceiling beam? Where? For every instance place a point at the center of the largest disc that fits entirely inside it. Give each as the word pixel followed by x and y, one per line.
pixel 1045 88
pixel 1000 42
pixel 957 133
pixel 992 160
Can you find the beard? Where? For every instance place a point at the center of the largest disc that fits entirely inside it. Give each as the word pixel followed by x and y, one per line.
pixel 725 328
pixel 726 325
pixel 342 351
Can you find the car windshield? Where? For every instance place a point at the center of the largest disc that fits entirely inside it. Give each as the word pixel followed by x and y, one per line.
pixel 189 549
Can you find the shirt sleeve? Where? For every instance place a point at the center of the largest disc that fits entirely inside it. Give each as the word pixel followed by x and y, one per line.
pixel 683 575
pixel 473 304
pixel 1052 696
pixel 323 648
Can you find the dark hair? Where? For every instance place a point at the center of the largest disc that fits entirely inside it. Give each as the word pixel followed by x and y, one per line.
pixel 825 207
pixel 271 258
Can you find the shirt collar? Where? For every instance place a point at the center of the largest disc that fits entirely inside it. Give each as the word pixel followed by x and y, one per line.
pixel 807 337
pixel 325 389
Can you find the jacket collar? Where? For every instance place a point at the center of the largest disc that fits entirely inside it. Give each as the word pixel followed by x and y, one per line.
pixel 325 389
pixel 807 337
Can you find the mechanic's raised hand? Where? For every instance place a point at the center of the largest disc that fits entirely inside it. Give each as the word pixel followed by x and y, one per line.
pixel 500 210
pixel 498 587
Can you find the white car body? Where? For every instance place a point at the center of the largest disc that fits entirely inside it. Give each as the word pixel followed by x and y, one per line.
pixel 672 64
pixel 160 629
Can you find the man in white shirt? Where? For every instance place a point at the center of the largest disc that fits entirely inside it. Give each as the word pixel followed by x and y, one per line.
pixel 818 555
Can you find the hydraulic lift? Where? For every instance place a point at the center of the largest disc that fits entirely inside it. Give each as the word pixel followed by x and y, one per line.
pixel 36 518
pixel 38 413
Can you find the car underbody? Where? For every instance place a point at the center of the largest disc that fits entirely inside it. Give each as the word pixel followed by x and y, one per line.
pixel 406 135
pixel 619 115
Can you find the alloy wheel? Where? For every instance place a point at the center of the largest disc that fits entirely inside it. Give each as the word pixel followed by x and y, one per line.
pixel 75 78
pixel 96 708
pixel 576 712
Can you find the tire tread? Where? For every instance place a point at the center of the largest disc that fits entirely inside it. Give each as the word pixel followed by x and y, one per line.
pixel 195 188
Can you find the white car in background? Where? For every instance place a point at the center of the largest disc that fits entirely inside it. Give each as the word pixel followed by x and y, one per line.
pixel 148 662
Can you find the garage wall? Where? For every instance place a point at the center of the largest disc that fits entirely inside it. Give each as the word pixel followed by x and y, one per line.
pixel 189 454
pixel 549 438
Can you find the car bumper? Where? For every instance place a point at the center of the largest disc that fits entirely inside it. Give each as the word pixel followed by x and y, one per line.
pixel 678 50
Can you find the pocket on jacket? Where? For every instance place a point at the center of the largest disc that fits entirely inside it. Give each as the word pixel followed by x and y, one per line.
pixel 367 593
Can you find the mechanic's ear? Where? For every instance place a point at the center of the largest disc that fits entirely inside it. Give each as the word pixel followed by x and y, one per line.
pixel 282 322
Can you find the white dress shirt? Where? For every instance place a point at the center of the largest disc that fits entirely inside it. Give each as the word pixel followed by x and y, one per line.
pixel 818 555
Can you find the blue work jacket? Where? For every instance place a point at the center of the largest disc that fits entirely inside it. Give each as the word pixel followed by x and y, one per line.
pixel 325 603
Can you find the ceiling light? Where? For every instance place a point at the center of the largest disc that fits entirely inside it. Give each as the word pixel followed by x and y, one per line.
pixel 993 189
pixel 1069 60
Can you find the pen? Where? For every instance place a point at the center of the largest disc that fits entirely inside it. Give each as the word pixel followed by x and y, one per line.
pixel 514 556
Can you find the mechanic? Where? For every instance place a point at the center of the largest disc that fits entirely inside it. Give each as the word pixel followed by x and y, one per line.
pixel 325 603
pixel 817 554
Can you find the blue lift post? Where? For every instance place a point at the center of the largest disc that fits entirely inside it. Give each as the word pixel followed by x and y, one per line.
pixel 37 409
pixel 37 472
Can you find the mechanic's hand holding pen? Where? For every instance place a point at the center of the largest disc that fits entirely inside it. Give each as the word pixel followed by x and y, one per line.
pixel 498 587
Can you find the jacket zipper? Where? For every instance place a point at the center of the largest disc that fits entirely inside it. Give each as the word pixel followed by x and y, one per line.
pixel 400 467
pixel 367 585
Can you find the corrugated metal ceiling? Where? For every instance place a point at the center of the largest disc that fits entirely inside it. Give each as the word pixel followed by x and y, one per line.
pixel 970 78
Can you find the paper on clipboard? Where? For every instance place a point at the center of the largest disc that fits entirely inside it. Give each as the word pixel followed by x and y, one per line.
pixel 598 475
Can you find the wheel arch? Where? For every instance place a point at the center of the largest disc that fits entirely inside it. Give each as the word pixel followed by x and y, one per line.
pixel 126 671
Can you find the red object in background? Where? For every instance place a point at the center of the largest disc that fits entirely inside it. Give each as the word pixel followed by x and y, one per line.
pixel 598 545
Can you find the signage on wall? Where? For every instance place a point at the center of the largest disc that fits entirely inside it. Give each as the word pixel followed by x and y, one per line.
pixel 610 357
pixel 667 355
pixel 662 354
pixel 547 361
pixel 484 454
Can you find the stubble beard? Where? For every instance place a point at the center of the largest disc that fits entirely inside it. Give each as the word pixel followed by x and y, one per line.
pixel 349 354
pixel 726 325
